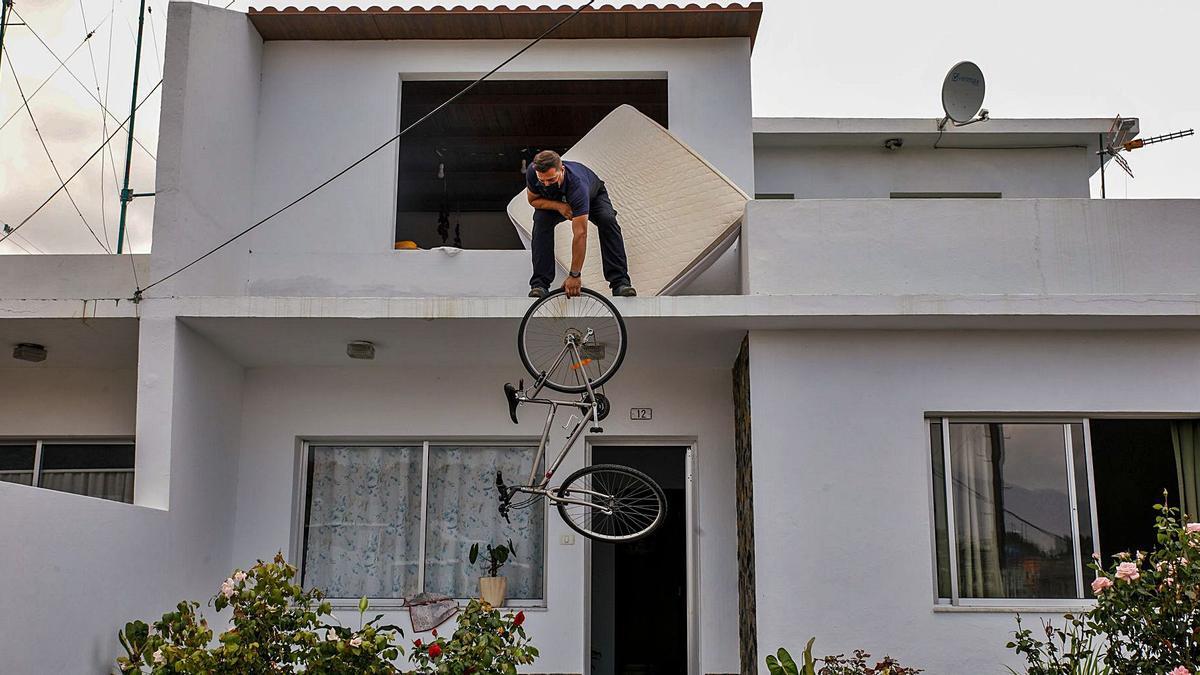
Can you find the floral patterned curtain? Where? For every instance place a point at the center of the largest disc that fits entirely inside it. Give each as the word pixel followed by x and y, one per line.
pixel 364 521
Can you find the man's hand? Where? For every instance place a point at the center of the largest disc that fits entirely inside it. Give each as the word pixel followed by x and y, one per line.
pixel 572 286
pixel 565 210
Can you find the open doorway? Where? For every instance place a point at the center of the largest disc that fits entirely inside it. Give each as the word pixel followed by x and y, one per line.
pixel 639 591
pixel 459 169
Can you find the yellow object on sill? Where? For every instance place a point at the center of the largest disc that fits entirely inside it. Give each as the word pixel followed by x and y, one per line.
pixel 407 245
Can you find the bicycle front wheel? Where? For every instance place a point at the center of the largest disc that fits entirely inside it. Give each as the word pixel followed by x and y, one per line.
pixel 613 503
pixel 552 321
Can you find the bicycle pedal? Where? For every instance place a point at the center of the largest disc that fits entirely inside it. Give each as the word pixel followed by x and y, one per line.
pixel 597 430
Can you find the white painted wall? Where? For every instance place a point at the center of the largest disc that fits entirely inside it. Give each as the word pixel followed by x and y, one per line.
pixel 39 402
pixel 964 247
pixel 841 460
pixel 71 276
pixel 248 127
pixel 77 567
pixel 847 172
pixel 207 124
pixel 282 404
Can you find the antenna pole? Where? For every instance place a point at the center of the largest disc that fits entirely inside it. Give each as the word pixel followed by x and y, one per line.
pixel 126 193
pixel 1101 155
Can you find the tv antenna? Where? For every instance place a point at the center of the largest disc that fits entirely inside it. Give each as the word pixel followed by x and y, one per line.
pixel 962 95
pixel 1121 136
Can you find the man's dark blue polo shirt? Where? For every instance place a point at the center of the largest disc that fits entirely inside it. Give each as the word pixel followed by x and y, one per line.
pixel 580 185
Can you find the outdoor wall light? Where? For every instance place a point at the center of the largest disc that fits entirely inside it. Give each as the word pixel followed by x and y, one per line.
pixel 27 351
pixel 360 349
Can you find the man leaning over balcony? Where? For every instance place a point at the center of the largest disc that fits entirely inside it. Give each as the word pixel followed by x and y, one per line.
pixel 562 190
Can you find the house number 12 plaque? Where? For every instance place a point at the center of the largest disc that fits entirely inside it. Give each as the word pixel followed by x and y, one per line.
pixel 641 413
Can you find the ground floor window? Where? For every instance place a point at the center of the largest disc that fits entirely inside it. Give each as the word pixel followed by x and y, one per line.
pixel 1021 506
pixel 101 469
pixel 391 521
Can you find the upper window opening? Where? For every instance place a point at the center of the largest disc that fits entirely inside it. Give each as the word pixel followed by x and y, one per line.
pixel 459 169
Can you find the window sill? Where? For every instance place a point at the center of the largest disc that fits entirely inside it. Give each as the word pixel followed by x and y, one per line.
pixel 1014 609
pixel 392 605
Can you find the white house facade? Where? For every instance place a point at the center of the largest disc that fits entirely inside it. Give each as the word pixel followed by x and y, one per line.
pixel 913 398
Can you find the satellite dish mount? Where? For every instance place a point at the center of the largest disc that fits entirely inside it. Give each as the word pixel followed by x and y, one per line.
pixel 962 96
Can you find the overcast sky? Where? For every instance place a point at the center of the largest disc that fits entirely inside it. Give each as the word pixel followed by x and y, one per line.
pixel 1049 58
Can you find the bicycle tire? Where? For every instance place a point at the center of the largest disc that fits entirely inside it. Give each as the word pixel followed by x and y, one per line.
pixel 551 382
pixel 636 478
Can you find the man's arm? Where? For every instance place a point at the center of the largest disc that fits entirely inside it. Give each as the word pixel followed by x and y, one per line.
pixel 578 253
pixel 547 204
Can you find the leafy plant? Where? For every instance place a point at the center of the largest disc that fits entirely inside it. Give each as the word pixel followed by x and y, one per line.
pixel 1149 604
pixel 1069 650
pixel 484 642
pixel 278 627
pixel 1146 618
pixel 495 557
pixel 838 664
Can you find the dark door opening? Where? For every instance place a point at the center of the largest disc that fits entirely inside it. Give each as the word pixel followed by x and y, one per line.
pixel 639 590
pixel 1133 462
pixel 460 168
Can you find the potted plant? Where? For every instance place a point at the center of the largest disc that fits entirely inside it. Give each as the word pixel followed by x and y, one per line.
pixel 493 587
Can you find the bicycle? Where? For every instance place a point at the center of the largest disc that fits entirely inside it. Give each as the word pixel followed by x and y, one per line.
pixel 574 346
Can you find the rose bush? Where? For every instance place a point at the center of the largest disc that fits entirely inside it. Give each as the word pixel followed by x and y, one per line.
pixel 277 628
pixel 484 642
pixel 1146 618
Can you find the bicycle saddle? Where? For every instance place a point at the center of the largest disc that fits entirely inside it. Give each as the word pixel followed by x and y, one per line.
pixel 510 393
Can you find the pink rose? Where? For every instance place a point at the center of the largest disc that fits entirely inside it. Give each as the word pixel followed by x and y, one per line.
pixel 1192 528
pixel 1180 671
pixel 1128 571
pixel 1101 584
pixel 227 588
pixel 356 642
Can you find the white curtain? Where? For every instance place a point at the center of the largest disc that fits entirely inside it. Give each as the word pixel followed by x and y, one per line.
pixel 114 485
pixel 973 486
pixel 1186 436
pixel 463 511
pixel 364 517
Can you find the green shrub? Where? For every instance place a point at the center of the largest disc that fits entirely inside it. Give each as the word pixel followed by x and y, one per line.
pixel 277 628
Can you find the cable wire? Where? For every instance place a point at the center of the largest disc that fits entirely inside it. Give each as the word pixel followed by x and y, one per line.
pixel 60 67
pixel 81 166
pixel 140 291
pixel 79 81
pixel 103 127
pixel 49 156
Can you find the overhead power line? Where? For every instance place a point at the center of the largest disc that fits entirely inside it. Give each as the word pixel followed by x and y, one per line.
pixel 138 294
pixel 79 81
pixel 53 164
pixel 81 166
pixel 61 65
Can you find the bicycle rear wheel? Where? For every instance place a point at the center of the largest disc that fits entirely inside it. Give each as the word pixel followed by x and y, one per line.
pixel 636 505
pixel 548 324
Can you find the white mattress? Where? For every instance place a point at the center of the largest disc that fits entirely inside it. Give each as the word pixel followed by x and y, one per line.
pixel 677 212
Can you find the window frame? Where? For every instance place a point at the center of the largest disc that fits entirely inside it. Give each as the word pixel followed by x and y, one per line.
pixel 40 442
pixel 300 507
pixel 955 600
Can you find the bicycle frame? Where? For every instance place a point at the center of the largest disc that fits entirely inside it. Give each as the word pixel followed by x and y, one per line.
pixel 590 411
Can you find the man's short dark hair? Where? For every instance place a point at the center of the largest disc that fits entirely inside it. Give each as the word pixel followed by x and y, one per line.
pixel 546 160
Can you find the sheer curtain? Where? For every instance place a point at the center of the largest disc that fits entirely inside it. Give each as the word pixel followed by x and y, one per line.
pixel 362 535
pixel 105 484
pixel 975 516
pixel 1186 436
pixel 462 511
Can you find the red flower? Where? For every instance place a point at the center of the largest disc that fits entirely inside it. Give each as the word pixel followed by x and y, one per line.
pixel 417 643
pixel 519 619
pixel 435 651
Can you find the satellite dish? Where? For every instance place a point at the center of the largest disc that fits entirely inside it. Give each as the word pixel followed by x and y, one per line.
pixel 962 92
